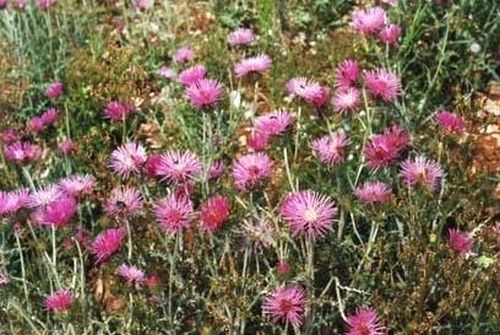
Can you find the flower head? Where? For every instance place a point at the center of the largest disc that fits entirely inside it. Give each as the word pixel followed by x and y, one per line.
pixel 132 274
pixel 183 55
pixel 257 64
pixel 257 140
pixel 124 201
pixel 286 304
pixel 459 241
pixel 331 148
pixel 58 213
pixel 22 152
pixel 78 184
pixel 13 201
pixel 44 196
pixel 178 166
pixel 35 125
pixel 365 322
pixel 274 123
pixel 8 136
pixel 241 36
pixel 450 122
pixel 346 99
pixel 205 93
pixel 421 171
pixel 369 21
pixel 251 169
pixel 320 100
pixel 54 90
pixel 383 149
pixel 59 301
pixel 347 73
pixel 373 192
pixel 118 111
pixel 307 89
pixel 50 116
pixel 383 84
pixel 215 212
pixel 152 165
pixel 174 212
pixel 107 243
pixel 128 159
pixel 66 147
pixel 215 170
pixel 390 34
pixel 192 75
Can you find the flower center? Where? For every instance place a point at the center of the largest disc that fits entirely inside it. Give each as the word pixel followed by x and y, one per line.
pixel 285 306
pixel 310 215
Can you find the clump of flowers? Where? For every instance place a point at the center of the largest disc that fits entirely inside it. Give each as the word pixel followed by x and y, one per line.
pixel 257 64
pixel 215 212
pixel 205 93
pixel 241 36
pixel 365 322
pixel 450 122
pixel 251 169
pixel 421 171
pixel 174 212
pixel 59 301
pixel 118 111
pixel 331 148
pixel 459 241
pixel 286 304
pixel 373 192
pixel 107 243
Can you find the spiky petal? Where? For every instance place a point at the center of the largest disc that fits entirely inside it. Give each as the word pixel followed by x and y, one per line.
pixel 128 159
pixel 421 171
pixel 373 192
pixel 205 93
pixel 215 212
pixel 286 304
pixel 331 148
pixel 251 169
pixel 365 322
pixel 59 301
pixel 174 212
pixel 107 243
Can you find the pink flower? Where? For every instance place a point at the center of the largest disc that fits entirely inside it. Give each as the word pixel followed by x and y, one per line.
pixel 421 171
pixel 78 184
pixel 215 212
pixel 321 99
pixel 383 149
pixel 118 111
pixel 257 64
pixel 459 241
pixel 152 165
pixel 167 73
pixel 8 136
pixel 383 84
pixel 274 123
pixel 123 201
pixel 59 301
pixel 19 4
pixel 143 5
pixel 173 213
pixel 35 125
pixel 22 152
pixel 178 166
pixel 307 89
pixel 365 322
pixel 331 148
pixel 286 304
pixel 183 55
pixel 373 192
pixel 13 201
pixel 283 267
pixel 347 73
pixel 66 147
pixel 45 196
pixel 251 169
pixel 205 93
pixel 132 274
pixel 450 122
pixel 54 90
pixel 192 75
pixel 309 213
pixel 346 99
pixel 390 34
pixel 257 140
pixel 58 213
pixel 128 159
pixel 369 21
pixel 241 36
pixel 50 116
pixel 215 170
pixel 107 243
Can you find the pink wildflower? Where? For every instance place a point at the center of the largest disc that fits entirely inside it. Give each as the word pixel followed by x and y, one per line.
pixel 215 212
pixel 128 159
pixel 459 241
pixel 257 64
pixel 390 34
pixel 241 36
pixel 205 93
pixel 13 201
pixel 369 21
pixel 347 73
pixel 251 169
pixel 143 5
pixel 66 147
pixel 192 75
pixel 274 123
pixel 365 322
pixel 173 213
pixel 152 165
pixel 283 267
pixel 118 111
pixel 54 90
pixel 450 122
pixel 384 149
pixel 383 84
pixel 346 99
pixel 373 192
pixel 35 125
pixel 421 171
pixel 44 196
pixel 59 301
pixel 78 184
pixel 215 170
pixel 123 201
pixel 8 136
pixel 257 140
pixel 183 55
pixel 331 148
pixel 50 116
pixel 307 89
pixel 45 4
pixel 178 166
pixel 107 243
pixel 58 213
pixel 22 152
pixel 130 273
pixel 286 304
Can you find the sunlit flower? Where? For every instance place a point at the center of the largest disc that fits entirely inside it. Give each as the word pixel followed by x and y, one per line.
pixel 390 34
pixel 192 75
pixel 215 212
pixel 118 111
pixel 450 122
pixel 373 192
pixel 183 55
pixel 59 301
pixel 130 273
pixel 54 90
pixel 178 166
pixel 257 64
pixel 173 213
pixel 421 171
pixel 274 123
pixel 346 99
pixel 128 159
pixel 309 213
pixel 347 73
pixel 251 169
pixel 205 93
pixel 286 304
pixel 107 243
pixel 241 36
pixel 383 84
pixel 365 322
pixel 369 21
pixel 123 201
pixel 331 148
pixel 459 241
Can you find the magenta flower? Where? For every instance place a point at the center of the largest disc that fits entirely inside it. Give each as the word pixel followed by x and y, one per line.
pixel 304 88
pixel 321 99
pixel 130 273
pixel 167 73
pixel 143 5
pixel 251 169
pixel 390 34
pixel 44 196
pixel 421 171
pixel 192 75
pixel 183 55
pixel 459 241
pixel 215 170
pixel 78 185
pixel 107 243
pixel 8 136
pixel 58 213
pixel 152 165
pixel 373 192
pixel 257 140
pixel 118 111
pixel 124 201
pixel 205 93
pixel 274 123
pixel 54 90
pixel 286 304
pixel 308 213
pixel 450 122
pixel 3 4
pixel 365 322
pixel 347 73
pixel 13 201
pixel 331 148
pixel 346 99
pixel 66 147
pixel 283 267
pixel 383 84
pixel 22 152
pixel 35 125
pixel 257 64
pixel 215 212
pixel 59 301
pixel 128 159
pixel 384 149
pixel 241 36
pixel 178 166
pixel 50 116
pixel 369 21
pixel 173 213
